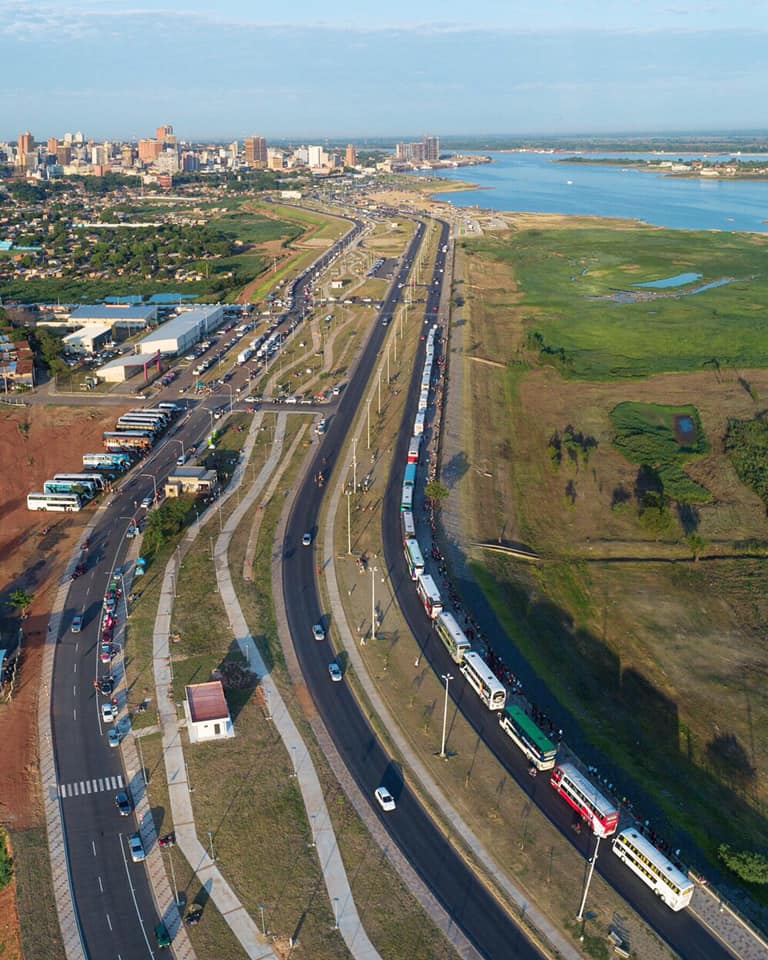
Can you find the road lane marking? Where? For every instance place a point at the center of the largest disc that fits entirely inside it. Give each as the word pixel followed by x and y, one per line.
pixel 109 922
pixel 74 787
pixel 101 784
pixel 133 894
pixel 75 665
pixel 88 788
pixel 101 885
pixel 82 787
pixel 93 845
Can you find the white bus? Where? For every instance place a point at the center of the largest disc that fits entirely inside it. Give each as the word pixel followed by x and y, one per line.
pixel 418 424
pixel 430 595
pixel 483 681
pixel 669 883
pixel 137 423
pixel 406 499
pixel 156 414
pixel 413 558
pixel 171 408
pixel 56 502
pixel 83 488
pixel 453 637
pixel 96 479
pixel 409 527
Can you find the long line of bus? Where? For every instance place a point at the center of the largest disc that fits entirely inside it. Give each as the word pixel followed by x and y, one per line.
pixel 648 863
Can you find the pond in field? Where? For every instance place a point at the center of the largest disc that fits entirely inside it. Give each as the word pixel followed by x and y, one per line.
pixel 679 281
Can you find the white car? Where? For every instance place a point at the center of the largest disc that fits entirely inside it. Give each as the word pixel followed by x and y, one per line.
pixel 108 713
pixel 137 848
pixel 306 540
pixel 335 672
pixel 318 632
pixel 384 798
pixel 146 503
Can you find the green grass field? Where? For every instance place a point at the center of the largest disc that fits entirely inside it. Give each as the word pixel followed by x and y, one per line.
pixel 558 271
pixel 645 434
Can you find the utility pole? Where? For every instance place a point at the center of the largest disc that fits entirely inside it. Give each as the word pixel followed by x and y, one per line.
pixel 354 464
pixel 388 352
pixel 373 602
pixel 592 862
pixel 379 407
pixel 368 409
pixel 447 678
pixel 349 524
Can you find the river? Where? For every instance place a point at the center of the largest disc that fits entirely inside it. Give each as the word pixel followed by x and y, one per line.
pixel 538 183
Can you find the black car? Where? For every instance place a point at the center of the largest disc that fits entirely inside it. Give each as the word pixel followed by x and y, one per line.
pixel 123 804
pixel 106 686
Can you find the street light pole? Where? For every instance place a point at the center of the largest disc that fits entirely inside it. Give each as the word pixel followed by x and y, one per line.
pixel 210 841
pixel 373 602
pixel 592 862
pixel 154 485
pixel 354 464
pixel 447 678
pixel 379 406
pixel 349 524
pixel 368 408
pixel 173 878
pixel 263 927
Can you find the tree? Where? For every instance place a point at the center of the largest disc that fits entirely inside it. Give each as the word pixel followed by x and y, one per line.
pixel 746 864
pixel 21 600
pixel 436 492
pixel 6 861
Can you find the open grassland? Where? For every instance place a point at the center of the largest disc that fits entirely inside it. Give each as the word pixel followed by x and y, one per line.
pixel 567 278
pixel 646 624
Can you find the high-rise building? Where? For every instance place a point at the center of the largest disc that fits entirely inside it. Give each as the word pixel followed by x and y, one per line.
pixel 431 148
pixel 53 146
pixel 275 159
pixel 316 157
pixel 190 162
pixel 26 143
pixel 127 156
pixel 64 155
pixel 256 152
pixel 164 132
pixel 149 150
pixel 350 156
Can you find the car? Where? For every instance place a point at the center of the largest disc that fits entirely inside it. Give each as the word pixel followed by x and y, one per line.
pixel 306 540
pixel 291 400
pixel 77 624
pixel 384 798
pixel 107 652
pixel 146 503
pixel 335 671
pixel 318 632
pixel 136 848
pixel 113 737
pixel 250 399
pixel 123 804
pixel 106 686
pixel 108 713
pixel 180 461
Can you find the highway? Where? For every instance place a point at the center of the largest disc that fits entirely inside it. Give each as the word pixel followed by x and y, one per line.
pixel 471 905
pixel 113 900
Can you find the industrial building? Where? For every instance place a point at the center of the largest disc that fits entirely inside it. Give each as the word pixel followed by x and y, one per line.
pixel 185 330
pixel 195 480
pixel 123 368
pixel 132 317
pixel 88 340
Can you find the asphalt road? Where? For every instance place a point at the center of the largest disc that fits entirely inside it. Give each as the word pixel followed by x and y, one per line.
pixel 113 899
pixel 473 908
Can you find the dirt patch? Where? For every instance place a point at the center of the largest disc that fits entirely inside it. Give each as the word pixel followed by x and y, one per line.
pixel 10 933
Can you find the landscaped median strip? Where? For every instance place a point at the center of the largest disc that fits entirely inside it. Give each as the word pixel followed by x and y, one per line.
pixel 242 925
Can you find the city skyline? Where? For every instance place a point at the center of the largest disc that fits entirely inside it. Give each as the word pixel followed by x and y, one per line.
pixel 499 68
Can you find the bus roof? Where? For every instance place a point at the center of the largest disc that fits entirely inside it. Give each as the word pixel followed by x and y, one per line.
pixel 670 871
pixel 529 728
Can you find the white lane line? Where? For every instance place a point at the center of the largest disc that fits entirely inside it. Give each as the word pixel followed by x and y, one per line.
pixel 133 894
pixel 101 784
pixel 82 788
pixel 63 791
pixel 88 786
pixel 109 922
pixel 74 713
pixel 93 844
pixel 120 780
pixel 73 787
pixel 74 689
pixel 101 885
pixel 77 646
pixel 75 665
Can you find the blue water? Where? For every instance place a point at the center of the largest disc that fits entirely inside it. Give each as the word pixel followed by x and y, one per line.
pixel 679 281
pixel 538 183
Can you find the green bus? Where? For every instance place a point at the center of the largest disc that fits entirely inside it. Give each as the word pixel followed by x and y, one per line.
pixel 519 727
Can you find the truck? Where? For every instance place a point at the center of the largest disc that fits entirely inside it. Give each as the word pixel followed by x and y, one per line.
pixel 244 355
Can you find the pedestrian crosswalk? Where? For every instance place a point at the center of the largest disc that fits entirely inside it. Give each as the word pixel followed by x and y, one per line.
pixel 80 788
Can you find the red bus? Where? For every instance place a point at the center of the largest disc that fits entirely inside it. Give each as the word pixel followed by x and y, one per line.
pixel 581 794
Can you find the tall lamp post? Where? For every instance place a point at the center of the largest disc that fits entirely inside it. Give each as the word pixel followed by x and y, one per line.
pixel 592 862
pixel 374 570
pixel 447 678
pixel 154 485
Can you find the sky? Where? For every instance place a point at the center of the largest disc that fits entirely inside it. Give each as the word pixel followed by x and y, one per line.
pixel 305 70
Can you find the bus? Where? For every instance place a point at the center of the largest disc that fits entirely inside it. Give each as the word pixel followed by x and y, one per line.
pixel 130 422
pixel 483 681
pixel 581 794
pixel 423 401
pixel 56 502
pixel 83 488
pixel 413 450
pixel 94 478
pixel 418 424
pixel 116 461
pixel 409 527
pixel 406 500
pixel 172 408
pixel 162 415
pixel 430 595
pixel 523 731
pixel 413 558
pixel 410 475
pixel 453 637
pixel 668 882
pixel 128 440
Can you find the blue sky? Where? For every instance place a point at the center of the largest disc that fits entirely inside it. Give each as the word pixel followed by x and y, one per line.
pixel 230 68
